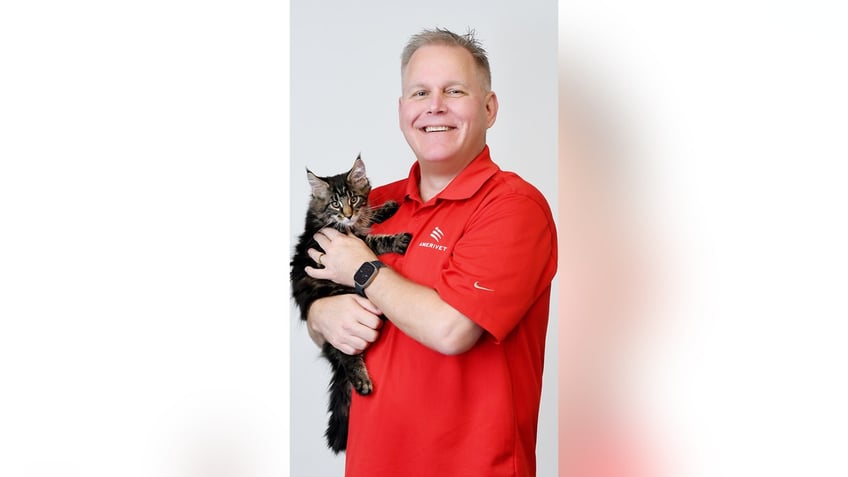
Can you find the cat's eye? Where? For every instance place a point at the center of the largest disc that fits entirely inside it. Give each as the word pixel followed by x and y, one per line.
pixel 335 204
pixel 355 200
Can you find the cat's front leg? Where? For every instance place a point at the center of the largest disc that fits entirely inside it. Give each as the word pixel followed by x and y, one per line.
pixel 385 243
pixel 349 369
pixel 358 375
pixel 382 213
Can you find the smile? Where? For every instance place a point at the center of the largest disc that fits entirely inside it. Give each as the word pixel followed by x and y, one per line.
pixel 437 128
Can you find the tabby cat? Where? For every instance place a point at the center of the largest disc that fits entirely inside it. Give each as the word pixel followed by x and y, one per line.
pixel 341 202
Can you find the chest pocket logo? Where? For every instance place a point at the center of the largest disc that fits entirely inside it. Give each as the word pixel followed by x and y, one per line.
pixel 437 235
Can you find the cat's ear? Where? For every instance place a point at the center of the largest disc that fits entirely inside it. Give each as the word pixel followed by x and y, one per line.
pixel 357 176
pixel 320 188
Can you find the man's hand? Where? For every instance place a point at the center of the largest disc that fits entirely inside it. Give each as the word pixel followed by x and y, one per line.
pixel 348 322
pixel 343 254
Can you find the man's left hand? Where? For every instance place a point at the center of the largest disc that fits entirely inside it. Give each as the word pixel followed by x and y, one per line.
pixel 343 254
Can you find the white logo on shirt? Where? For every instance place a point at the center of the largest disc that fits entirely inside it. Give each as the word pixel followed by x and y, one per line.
pixel 437 234
pixel 481 287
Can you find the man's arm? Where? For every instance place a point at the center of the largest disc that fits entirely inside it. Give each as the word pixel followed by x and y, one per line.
pixel 422 315
pixel 416 310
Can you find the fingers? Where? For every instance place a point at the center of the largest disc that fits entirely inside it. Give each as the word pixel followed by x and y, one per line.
pixel 329 233
pixel 342 256
pixel 346 322
pixel 355 347
pixel 362 325
pixel 354 338
pixel 318 273
pixel 368 305
pixel 316 256
pixel 361 336
pixel 321 271
pixel 326 235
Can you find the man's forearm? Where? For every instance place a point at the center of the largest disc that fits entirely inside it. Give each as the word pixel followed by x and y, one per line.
pixel 316 335
pixel 421 314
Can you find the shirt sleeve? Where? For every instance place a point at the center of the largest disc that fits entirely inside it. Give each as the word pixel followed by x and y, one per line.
pixel 504 261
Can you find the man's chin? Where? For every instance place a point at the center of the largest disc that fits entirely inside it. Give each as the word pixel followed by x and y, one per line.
pixel 437 158
pixel 437 154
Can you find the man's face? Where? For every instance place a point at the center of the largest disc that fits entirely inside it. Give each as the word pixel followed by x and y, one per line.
pixel 444 108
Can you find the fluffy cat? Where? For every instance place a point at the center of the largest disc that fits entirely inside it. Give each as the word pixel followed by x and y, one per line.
pixel 341 202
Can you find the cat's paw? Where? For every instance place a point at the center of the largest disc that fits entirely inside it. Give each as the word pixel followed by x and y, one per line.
pixel 362 384
pixel 403 242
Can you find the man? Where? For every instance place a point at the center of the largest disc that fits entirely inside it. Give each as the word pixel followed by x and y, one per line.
pixel 457 368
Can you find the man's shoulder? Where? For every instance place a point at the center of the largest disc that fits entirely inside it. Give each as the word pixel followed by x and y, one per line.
pixel 510 183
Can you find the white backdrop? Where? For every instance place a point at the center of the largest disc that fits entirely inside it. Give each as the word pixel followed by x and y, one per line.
pixel 143 307
pixel 345 84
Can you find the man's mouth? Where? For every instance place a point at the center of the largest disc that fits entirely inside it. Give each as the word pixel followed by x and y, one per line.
pixel 437 128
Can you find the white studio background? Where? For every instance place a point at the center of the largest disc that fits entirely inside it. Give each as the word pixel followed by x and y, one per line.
pixel 742 106
pixel 143 285
pixel 345 84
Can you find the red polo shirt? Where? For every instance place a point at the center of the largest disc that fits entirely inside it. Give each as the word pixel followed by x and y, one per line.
pixel 487 244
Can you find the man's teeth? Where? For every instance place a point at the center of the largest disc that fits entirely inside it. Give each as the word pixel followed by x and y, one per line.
pixel 436 128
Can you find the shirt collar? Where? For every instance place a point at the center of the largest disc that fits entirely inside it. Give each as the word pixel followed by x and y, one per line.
pixel 464 185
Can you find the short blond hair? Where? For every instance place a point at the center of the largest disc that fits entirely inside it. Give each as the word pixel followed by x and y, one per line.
pixel 445 37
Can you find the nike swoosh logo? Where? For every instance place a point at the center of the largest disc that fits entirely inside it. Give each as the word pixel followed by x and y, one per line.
pixel 481 287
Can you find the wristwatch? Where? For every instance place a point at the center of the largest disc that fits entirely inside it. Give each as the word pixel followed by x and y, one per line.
pixel 365 275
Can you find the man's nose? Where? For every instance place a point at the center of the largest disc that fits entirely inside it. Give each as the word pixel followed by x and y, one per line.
pixel 437 104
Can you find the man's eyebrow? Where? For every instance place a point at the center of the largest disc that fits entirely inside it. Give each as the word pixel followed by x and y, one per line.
pixel 448 84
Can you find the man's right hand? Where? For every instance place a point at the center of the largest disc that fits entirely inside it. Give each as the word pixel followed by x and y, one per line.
pixel 348 322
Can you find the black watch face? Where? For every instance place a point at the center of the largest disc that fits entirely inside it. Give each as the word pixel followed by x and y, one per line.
pixel 364 273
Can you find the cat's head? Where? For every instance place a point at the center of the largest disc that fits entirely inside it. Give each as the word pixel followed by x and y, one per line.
pixel 341 200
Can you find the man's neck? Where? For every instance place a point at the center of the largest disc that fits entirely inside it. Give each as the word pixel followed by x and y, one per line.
pixel 435 177
pixel 429 187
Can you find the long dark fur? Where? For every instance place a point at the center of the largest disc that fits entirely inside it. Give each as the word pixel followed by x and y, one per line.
pixel 341 202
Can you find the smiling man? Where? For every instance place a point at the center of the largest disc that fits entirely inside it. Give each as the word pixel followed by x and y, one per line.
pixel 446 108
pixel 457 366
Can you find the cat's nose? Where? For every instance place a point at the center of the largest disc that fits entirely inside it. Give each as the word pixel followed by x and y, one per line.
pixel 347 210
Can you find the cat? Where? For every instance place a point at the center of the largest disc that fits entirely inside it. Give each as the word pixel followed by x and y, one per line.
pixel 341 202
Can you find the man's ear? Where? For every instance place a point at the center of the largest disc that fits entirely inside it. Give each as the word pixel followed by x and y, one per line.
pixel 491 108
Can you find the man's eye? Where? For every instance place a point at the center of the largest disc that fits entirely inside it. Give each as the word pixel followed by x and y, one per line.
pixel 419 94
pixel 454 92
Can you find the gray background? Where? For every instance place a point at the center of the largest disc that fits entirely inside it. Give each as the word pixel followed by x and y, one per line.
pixel 345 83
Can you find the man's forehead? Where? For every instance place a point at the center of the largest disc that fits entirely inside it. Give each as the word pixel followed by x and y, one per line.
pixel 427 67
pixel 440 53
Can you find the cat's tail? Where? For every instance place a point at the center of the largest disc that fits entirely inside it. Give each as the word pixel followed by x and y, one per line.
pixel 339 415
pixel 339 406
